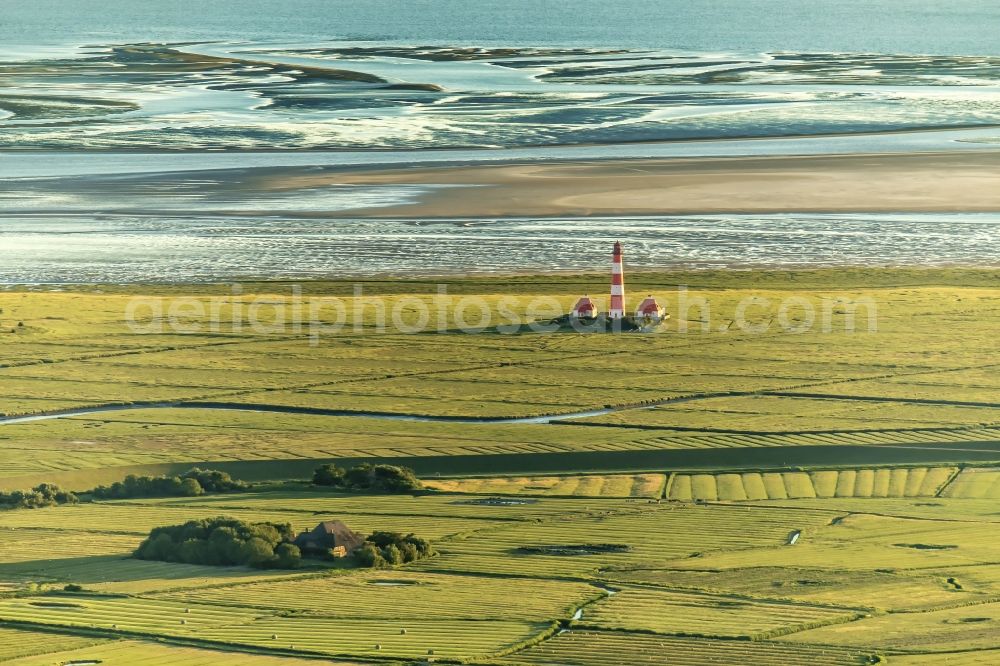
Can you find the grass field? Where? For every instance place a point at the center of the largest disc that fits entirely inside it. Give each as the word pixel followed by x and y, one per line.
pixel 972 658
pixel 149 653
pixel 700 614
pixel 593 648
pixel 885 482
pixel 680 528
pixel 716 571
pixel 16 643
pixel 75 350
pixel 976 484
pixel 607 485
pixel 963 628
pixel 653 535
pixel 409 596
pixel 884 590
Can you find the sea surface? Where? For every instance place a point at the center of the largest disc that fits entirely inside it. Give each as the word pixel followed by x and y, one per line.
pixel 127 127
pixel 868 26
pixel 126 248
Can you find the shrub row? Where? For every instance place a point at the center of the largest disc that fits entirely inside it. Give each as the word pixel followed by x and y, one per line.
pixel 379 478
pixel 45 494
pixel 384 549
pixel 223 541
pixel 228 541
pixel 189 484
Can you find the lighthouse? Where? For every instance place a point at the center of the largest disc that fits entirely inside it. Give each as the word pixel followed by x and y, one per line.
pixel 617 310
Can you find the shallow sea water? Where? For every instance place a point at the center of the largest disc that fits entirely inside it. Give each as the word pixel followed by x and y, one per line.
pixel 118 124
pixel 137 249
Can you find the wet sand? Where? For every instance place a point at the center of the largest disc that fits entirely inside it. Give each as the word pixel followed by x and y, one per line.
pixel 921 182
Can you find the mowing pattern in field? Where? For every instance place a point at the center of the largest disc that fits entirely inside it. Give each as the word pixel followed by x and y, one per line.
pixel 16 643
pixel 975 483
pixel 121 613
pixel 941 508
pixel 696 614
pixel 599 648
pixel 138 519
pixel 405 595
pixel 606 485
pixel 53 450
pixel 790 414
pixel 23 545
pixel 963 628
pixel 347 504
pixel 148 653
pixel 933 343
pixel 860 542
pixel 880 589
pixel 121 574
pixel 900 482
pixel 975 658
pixel 721 572
pixel 249 627
pixel 647 535
pixel 668 438
pixel 454 639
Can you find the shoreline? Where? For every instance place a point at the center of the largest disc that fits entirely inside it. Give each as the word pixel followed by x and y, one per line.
pixel 963 140
pixel 936 182
pixel 769 277
pixel 927 129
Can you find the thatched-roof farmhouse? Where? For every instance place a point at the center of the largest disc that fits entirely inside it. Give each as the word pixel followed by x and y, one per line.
pixel 330 535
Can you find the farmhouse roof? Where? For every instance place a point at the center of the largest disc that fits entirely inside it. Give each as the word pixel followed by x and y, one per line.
pixel 334 533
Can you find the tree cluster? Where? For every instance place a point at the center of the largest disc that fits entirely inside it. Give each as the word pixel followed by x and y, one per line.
pixel 189 484
pixel 45 494
pixel 384 549
pixel 223 541
pixel 375 478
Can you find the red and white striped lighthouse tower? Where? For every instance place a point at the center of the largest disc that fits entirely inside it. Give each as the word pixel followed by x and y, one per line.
pixel 617 310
